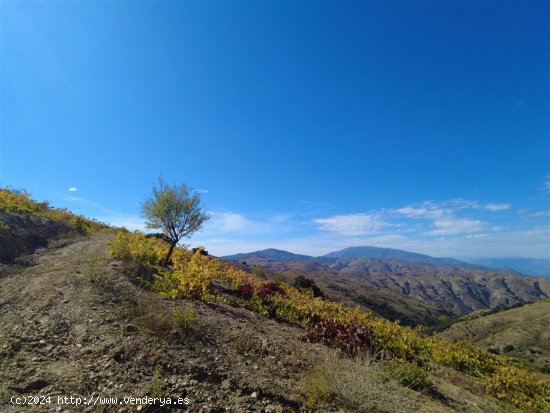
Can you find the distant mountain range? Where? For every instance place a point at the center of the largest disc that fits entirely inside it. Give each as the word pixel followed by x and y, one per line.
pixel 378 277
pixel 391 254
pixel 524 266
pixel 270 254
pixel 527 266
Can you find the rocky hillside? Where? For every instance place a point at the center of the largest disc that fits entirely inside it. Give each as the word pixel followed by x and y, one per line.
pixel 454 290
pixel 26 225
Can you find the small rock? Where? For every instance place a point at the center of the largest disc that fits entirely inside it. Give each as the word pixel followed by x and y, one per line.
pixel 273 408
pixel 254 395
pixel 16 345
pixel 130 328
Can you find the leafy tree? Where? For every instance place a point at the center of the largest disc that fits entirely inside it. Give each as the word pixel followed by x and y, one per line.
pixel 303 283
pixel 175 210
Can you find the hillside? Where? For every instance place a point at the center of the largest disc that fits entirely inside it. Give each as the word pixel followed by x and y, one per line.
pixel 451 290
pixel 26 225
pixel 521 332
pixel 76 325
pixel 385 302
pixel 99 318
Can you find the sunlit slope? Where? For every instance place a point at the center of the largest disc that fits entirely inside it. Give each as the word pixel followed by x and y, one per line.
pixel 522 332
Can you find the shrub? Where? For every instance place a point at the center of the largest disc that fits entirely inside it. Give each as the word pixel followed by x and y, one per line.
pixel 520 388
pixel 353 339
pixel 183 317
pixel 245 291
pixel 82 225
pixel 303 283
pixel 315 388
pixel 270 289
pixel 467 357
pixel 135 247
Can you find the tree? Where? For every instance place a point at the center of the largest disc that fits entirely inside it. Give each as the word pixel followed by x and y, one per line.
pixel 175 210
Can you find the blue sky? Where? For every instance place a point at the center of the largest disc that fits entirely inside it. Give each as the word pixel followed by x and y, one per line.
pixel 307 126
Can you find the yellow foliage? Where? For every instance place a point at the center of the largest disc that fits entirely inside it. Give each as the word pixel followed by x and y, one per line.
pixel 12 202
pixel 520 388
pixel 136 247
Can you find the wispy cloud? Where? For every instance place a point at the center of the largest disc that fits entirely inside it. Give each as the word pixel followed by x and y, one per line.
pixel 130 222
pixel 236 223
pixel 352 224
pixel 452 226
pixel 427 210
pixel 546 185
pixel 202 191
pixel 264 225
pixel 447 217
pixel 496 207
pixel 72 189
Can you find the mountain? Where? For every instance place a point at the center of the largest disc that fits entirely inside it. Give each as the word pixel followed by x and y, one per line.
pixel 521 332
pixel 527 266
pixel 270 253
pixel 390 253
pixel 449 290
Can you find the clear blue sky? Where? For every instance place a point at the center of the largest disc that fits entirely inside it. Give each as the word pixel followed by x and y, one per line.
pixel 308 126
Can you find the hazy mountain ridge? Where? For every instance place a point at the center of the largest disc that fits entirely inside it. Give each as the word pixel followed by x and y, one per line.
pixel 270 253
pixel 538 267
pixel 390 253
pixel 459 288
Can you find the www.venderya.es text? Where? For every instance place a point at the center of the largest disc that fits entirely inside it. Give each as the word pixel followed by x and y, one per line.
pixel 97 400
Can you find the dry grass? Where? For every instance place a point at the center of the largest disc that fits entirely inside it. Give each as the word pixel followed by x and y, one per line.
pixel 358 386
pixel 93 263
pixel 518 332
pixel 151 314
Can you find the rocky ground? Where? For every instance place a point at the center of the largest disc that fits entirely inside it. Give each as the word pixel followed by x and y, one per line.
pixel 73 325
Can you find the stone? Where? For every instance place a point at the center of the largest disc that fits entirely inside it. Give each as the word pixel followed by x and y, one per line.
pixel 130 328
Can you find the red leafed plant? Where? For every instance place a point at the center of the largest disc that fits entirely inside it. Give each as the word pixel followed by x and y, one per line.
pixel 270 289
pixel 245 291
pixel 351 338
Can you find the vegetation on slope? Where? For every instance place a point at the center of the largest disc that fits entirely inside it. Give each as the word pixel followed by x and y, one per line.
pixel 519 331
pixel 26 224
pixel 194 275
